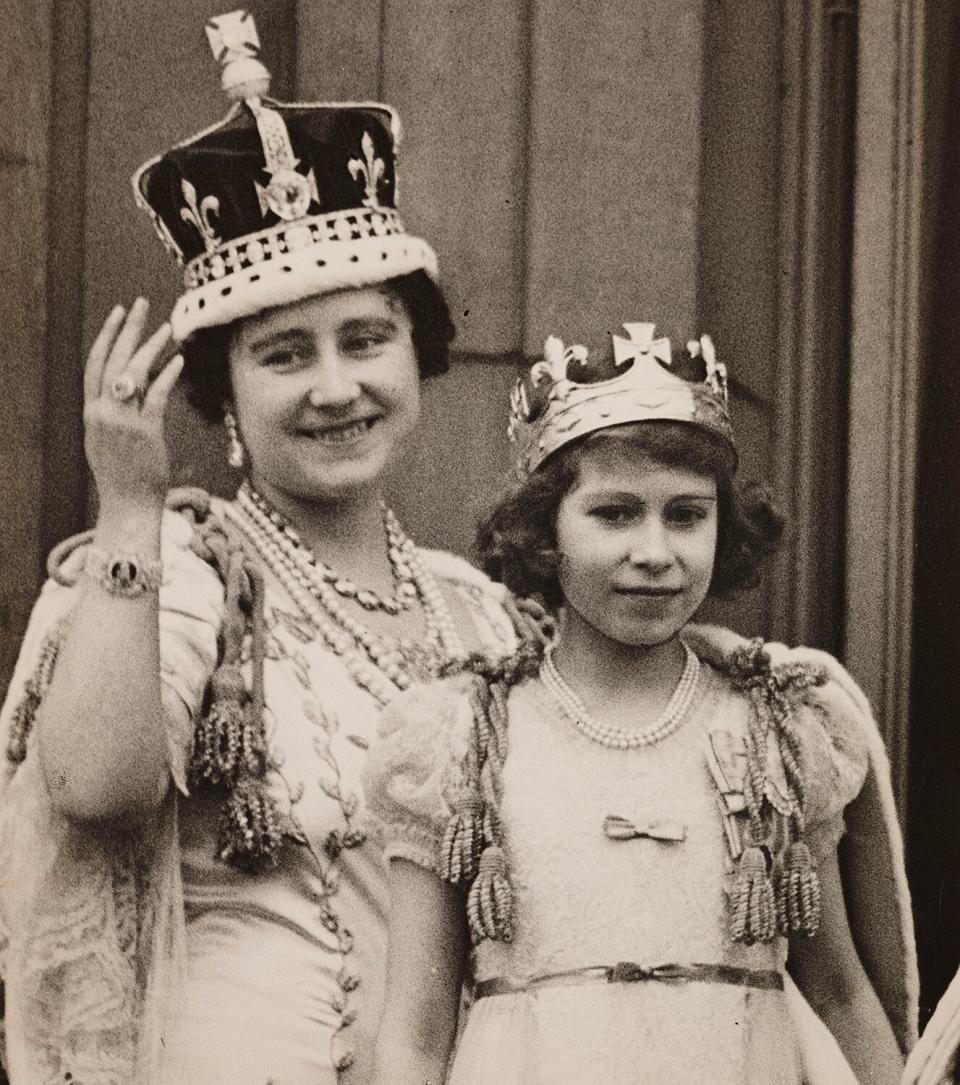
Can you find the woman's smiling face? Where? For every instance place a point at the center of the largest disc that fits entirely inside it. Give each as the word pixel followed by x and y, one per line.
pixel 325 392
pixel 637 542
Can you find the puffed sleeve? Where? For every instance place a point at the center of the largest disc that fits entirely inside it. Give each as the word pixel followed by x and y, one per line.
pixel 415 768
pixel 832 721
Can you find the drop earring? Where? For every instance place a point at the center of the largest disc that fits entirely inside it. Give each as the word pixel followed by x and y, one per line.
pixel 237 455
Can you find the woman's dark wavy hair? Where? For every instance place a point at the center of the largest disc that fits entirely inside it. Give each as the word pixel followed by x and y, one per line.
pixel 516 543
pixel 206 354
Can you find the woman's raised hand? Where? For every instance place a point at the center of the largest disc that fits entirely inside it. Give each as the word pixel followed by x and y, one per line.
pixel 125 401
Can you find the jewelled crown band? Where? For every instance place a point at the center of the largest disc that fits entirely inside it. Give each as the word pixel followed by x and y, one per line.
pixel 567 395
pixel 278 201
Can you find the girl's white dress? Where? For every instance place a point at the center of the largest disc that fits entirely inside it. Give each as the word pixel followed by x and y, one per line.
pixel 145 959
pixel 582 899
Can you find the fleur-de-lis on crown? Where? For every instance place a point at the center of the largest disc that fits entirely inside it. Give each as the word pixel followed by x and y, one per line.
pixel 640 345
pixel 233 36
pixel 371 166
pixel 716 371
pixel 556 360
pixel 199 215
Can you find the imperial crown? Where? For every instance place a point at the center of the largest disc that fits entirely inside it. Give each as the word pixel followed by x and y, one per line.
pixel 278 201
pixel 566 395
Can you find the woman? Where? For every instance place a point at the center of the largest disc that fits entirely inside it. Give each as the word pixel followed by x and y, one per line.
pixel 187 893
pixel 643 816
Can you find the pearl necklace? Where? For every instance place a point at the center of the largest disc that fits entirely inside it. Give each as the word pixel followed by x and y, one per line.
pixel 379 665
pixel 623 738
pixel 400 552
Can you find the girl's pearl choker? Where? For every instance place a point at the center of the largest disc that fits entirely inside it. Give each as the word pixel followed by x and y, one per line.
pixel 623 738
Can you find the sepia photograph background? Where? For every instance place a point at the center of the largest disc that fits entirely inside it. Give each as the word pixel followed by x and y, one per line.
pixel 783 175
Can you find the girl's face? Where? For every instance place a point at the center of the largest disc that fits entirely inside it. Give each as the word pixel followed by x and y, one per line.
pixel 637 542
pixel 325 391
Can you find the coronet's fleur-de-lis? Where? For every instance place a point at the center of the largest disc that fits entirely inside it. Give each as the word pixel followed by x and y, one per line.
pixel 199 216
pixel 557 360
pixel 716 371
pixel 519 408
pixel 371 167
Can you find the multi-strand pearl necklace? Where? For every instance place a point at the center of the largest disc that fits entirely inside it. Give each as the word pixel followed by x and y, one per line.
pixel 623 738
pixel 400 553
pixel 377 664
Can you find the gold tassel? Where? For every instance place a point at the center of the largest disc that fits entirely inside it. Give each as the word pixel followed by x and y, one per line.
pixel 249 831
pixel 798 893
pixel 462 839
pixel 754 911
pixel 490 901
pixel 227 741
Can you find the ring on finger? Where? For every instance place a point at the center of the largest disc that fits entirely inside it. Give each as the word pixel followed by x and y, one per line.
pixel 125 388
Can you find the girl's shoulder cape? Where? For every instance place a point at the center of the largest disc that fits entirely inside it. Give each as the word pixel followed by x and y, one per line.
pixel 871 852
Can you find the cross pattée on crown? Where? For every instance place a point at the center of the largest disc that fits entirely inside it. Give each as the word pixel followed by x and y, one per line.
pixel 640 345
pixel 233 36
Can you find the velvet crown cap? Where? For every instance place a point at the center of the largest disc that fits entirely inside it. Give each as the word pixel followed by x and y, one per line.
pixel 279 201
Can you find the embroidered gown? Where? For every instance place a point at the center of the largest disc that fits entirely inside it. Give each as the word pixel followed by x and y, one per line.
pixel 150 948
pixel 582 899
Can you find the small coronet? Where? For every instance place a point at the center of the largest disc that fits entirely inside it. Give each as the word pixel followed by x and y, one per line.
pixel 567 395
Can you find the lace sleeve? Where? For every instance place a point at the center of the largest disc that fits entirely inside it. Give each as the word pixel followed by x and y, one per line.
pixel 415 767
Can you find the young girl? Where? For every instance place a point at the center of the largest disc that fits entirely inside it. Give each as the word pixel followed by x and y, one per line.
pixel 636 826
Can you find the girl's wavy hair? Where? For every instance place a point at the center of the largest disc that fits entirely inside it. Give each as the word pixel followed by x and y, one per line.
pixel 206 354
pixel 516 542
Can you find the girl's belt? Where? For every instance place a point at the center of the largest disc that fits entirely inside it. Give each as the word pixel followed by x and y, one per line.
pixel 627 972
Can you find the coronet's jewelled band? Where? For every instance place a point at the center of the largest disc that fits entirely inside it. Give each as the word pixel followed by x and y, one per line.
pixel 123 572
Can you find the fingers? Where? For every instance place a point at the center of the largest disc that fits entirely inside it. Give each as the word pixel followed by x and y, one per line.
pixel 138 369
pixel 125 343
pixel 115 351
pixel 96 359
pixel 159 390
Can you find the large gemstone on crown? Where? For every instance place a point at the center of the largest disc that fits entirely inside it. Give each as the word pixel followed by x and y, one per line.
pixel 288 195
